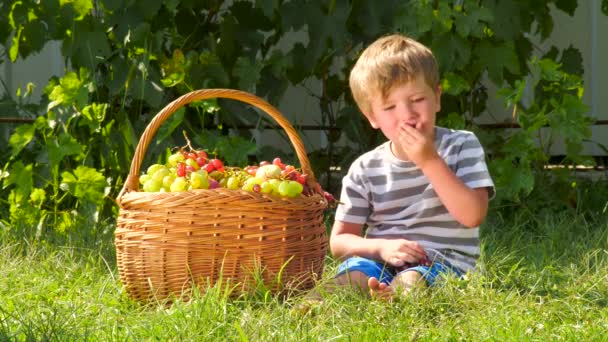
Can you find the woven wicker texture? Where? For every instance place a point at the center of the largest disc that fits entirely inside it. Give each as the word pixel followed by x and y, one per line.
pixel 166 242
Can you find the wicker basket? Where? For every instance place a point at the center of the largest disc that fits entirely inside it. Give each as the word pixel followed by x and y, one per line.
pixel 166 242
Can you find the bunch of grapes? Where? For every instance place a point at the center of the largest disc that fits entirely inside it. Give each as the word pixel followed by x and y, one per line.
pixel 193 169
pixel 184 170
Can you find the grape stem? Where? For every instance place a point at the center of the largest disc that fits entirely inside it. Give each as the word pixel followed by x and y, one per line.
pixel 189 144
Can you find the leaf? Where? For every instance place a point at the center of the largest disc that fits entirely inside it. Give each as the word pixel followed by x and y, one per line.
pixel 22 136
pixel 70 90
pixel 81 7
pixel 87 47
pixel 472 21
pixel 572 61
pixel 235 149
pixel 451 50
pixel 550 70
pixel 414 18
pixel 454 84
pixel 94 114
pixel 21 176
pixel 148 8
pixel 497 57
pixel 605 7
pixel 510 21
pixel 248 73
pixel 61 147
pixel 85 183
pixel 568 6
pixel 170 125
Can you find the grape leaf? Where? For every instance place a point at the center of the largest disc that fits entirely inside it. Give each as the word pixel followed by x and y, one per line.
pixel 451 50
pixel 22 177
pixel 62 146
pixel 22 136
pixel 414 18
pixel 568 6
pixel 248 73
pixel 572 61
pixel 85 183
pixel 473 21
pixel 454 84
pixel 497 58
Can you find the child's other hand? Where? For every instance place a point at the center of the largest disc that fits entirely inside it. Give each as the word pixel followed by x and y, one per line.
pixel 418 143
pixel 399 252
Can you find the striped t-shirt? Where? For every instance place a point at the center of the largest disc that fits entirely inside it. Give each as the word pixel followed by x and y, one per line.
pixel 394 199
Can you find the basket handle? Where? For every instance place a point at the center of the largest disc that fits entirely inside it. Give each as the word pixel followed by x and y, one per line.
pixel 132 181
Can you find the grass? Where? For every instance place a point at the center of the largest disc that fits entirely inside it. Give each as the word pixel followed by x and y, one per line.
pixel 541 278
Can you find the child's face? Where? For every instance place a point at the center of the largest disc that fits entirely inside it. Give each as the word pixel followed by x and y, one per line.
pixel 413 103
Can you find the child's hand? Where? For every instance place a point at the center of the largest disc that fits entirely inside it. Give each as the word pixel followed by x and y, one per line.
pixel 399 252
pixel 418 143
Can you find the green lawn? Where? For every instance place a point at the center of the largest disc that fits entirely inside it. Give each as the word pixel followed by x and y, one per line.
pixel 540 279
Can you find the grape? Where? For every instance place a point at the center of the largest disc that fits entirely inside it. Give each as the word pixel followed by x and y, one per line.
pixel 152 185
pixel 193 164
pixel 232 183
pixel 295 188
pixel 213 183
pixel 144 178
pixel 256 188
pixel 250 182
pixel 176 158
pixel 199 180
pixel 266 187
pixel 290 188
pixel 161 173
pixel 167 181
pixel 153 168
pixel 179 184
pixel 180 170
pixel 275 186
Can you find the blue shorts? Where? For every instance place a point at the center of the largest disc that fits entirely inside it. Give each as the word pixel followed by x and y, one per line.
pixel 385 273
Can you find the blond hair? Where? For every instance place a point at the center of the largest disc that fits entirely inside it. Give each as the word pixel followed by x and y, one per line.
pixel 389 61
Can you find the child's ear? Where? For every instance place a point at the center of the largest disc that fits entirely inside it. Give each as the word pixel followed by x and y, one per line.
pixel 438 92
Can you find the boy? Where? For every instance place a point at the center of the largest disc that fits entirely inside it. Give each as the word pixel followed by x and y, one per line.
pixel 410 208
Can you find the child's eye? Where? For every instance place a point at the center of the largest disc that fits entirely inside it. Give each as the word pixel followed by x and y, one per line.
pixel 389 107
pixel 418 99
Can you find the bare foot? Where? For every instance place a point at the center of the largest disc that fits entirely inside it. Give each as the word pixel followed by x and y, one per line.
pixel 380 290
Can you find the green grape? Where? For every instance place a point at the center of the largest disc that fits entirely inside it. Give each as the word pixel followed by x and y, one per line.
pixel 266 187
pixel 152 185
pixel 295 188
pixel 284 188
pixel 179 184
pixel 168 180
pixel 199 180
pixel 250 182
pixel 160 174
pixel 144 178
pixel 232 183
pixel 275 186
pixel 175 158
pixel 290 188
pixel 153 168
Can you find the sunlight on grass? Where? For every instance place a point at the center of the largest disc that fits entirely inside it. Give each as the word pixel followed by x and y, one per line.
pixel 542 278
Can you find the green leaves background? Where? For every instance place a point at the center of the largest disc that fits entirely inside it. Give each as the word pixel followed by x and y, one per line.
pixel 126 59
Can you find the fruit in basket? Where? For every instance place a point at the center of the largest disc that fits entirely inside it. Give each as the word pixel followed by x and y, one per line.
pixel 191 169
pixel 269 171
